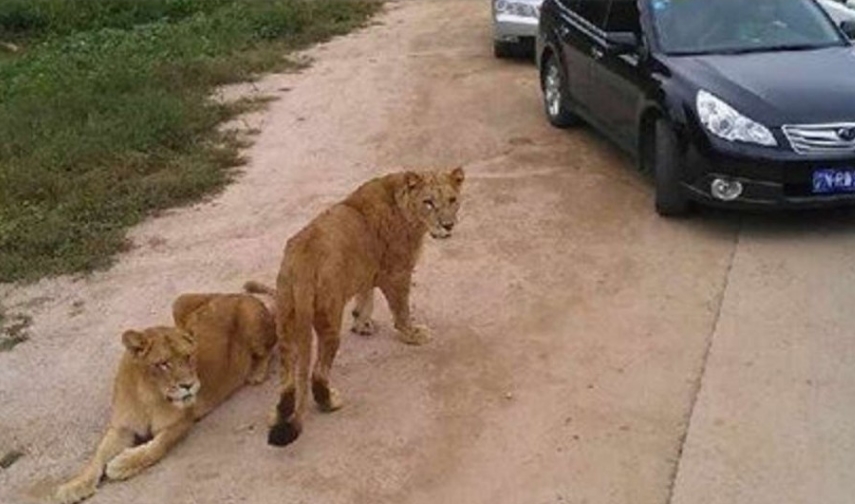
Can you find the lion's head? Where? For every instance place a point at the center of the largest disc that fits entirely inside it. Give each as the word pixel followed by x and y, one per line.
pixel 168 356
pixel 433 198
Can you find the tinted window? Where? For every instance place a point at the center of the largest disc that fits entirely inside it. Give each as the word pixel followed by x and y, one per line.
pixel 594 11
pixel 623 17
pixel 702 26
pixel 569 4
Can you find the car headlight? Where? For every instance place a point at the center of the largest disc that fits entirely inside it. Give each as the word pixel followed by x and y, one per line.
pixel 725 122
pixel 512 8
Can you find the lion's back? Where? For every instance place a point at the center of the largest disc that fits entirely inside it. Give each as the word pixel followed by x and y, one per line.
pixel 342 242
pixel 229 329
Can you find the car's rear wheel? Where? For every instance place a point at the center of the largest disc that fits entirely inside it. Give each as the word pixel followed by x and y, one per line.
pixel 555 95
pixel 671 200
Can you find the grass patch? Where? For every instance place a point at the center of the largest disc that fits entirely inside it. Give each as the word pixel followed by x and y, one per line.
pixel 106 113
pixel 10 458
pixel 13 330
pixel 41 18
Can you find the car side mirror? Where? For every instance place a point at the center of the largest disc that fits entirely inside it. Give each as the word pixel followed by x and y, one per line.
pixel 848 28
pixel 621 42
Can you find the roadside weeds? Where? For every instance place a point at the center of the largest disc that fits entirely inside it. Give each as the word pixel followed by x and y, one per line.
pixel 109 118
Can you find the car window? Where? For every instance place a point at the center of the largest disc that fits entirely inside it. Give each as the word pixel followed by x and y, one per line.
pixel 569 4
pixel 702 26
pixel 593 11
pixel 623 17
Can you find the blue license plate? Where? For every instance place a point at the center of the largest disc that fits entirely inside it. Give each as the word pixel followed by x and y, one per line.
pixel 833 180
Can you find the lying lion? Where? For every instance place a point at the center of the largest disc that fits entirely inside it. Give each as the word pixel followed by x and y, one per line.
pixel 169 377
pixel 371 239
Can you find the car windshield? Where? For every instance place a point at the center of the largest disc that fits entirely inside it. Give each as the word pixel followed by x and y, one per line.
pixel 737 26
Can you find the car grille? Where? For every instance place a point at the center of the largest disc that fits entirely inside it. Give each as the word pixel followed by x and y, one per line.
pixel 822 138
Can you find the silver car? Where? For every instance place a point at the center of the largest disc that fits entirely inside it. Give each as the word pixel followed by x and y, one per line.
pixel 515 23
pixel 514 27
pixel 839 11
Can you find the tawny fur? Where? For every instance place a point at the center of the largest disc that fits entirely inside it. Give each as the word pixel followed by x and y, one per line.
pixel 219 343
pixel 371 239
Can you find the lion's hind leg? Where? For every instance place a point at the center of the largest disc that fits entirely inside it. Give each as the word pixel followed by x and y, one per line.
pixel 260 331
pixel 294 329
pixel 328 322
pixel 260 370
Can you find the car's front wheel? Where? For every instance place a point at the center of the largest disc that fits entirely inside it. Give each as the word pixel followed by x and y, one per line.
pixel 671 200
pixel 521 48
pixel 502 49
pixel 554 95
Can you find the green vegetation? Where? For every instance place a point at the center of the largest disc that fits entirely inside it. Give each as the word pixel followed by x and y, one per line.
pixel 10 458
pixel 106 116
pixel 13 330
pixel 40 18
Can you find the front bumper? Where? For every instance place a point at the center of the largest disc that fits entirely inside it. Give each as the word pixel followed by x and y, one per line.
pixel 769 181
pixel 511 28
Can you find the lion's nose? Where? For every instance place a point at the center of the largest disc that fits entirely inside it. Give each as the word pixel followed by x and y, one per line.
pixel 448 227
pixel 186 386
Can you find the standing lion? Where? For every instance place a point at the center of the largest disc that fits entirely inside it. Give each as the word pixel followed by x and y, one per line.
pixel 371 239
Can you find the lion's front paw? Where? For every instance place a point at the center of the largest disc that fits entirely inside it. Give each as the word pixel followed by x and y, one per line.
pixel 363 327
pixel 414 335
pixel 74 491
pixel 335 401
pixel 273 417
pixel 126 464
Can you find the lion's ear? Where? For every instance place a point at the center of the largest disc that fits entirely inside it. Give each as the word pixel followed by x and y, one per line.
pixel 136 342
pixel 457 176
pixel 413 180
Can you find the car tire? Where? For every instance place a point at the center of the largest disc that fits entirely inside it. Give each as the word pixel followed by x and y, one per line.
pixel 671 200
pixel 504 50
pixel 555 101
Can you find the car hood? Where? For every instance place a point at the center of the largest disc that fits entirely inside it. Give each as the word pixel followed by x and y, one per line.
pixel 786 87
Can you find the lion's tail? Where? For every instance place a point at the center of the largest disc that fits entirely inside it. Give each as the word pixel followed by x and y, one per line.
pixel 254 287
pixel 297 305
pixel 267 294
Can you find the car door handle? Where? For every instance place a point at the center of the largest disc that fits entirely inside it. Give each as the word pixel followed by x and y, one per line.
pixel 597 53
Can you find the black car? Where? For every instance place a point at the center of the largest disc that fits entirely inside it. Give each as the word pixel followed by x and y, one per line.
pixel 734 102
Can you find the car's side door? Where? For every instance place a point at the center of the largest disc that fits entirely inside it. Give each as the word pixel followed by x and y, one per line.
pixel 577 29
pixel 617 79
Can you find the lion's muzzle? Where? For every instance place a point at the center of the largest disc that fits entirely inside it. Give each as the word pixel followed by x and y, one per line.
pixel 443 231
pixel 184 394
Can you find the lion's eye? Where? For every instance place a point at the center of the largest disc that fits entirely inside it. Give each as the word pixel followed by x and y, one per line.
pixel 429 204
pixel 452 200
pixel 163 366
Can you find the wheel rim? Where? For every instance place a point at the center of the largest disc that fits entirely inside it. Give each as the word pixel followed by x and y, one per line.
pixel 552 89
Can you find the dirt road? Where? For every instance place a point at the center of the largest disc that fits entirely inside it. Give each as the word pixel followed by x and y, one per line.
pixel 580 342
